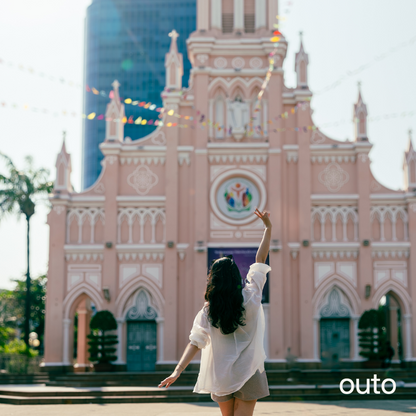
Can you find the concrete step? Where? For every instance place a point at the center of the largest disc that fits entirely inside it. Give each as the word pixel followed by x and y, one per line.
pixel 53 395
pixel 188 378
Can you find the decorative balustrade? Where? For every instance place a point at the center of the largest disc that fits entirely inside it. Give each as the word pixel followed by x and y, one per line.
pixel 341 222
pixel 154 219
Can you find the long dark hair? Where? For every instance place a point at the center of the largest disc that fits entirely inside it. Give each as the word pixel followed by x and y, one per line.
pixel 224 294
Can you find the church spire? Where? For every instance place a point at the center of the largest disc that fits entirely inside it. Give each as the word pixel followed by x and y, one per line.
pixel 174 64
pixel 115 116
pixel 63 169
pixel 409 165
pixel 301 66
pixel 360 117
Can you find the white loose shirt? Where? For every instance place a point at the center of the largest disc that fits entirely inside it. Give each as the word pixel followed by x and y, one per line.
pixel 228 361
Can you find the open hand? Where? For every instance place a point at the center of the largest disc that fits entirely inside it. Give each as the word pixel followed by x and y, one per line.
pixel 264 216
pixel 170 380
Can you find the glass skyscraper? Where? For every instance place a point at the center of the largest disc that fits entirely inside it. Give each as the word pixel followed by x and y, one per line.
pixel 127 40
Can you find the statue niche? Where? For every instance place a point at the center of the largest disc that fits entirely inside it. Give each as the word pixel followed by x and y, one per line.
pixel 238 117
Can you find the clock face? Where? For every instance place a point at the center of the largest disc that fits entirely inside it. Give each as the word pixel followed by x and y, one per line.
pixel 237 198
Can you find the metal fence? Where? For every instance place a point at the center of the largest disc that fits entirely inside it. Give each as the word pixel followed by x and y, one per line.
pixel 19 364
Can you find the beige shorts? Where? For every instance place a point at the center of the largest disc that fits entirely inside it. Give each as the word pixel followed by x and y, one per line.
pixel 255 388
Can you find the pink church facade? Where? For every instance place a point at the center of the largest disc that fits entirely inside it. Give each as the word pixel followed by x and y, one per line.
pixel 138 241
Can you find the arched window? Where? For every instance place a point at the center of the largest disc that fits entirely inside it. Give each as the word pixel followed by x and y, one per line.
pixel 219 117
pixel 227 16
pixel 249 16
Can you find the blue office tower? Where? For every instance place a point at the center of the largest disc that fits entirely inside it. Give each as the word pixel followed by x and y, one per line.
pixel 127 40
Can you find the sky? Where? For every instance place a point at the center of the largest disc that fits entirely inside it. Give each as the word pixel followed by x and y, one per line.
pixel 347 40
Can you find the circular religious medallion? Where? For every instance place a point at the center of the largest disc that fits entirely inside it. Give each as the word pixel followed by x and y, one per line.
pixel 237 198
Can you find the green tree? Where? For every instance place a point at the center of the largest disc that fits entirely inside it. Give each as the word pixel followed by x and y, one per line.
pixel 101 349
pixel 19 192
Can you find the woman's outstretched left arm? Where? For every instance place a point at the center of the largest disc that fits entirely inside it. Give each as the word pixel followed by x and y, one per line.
pixel 187 356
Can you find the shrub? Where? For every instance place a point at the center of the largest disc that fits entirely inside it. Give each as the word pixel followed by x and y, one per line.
pixel 101 349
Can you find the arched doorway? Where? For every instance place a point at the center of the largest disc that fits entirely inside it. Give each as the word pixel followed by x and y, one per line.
pixel 141 335
pixel 390 306
pixel 334 329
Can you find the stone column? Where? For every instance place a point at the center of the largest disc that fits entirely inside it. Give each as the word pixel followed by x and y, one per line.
pixel 260 16
pixel 65 340
pixel 202 13
pixel 110 273
pixel 120 339
pixel 170 267
pixel 273 10
pixel 200 190
pixel 216 13
pixel 364 264
pixel 394 336
pixel 275 206
pixel 316 355
pixel 238 15
pixel 408 334
pixel 267 328
pixel 83 331
pixel 411 209
pixel 355 320
pixel 160 341
pixel 53 340
pixel 304 190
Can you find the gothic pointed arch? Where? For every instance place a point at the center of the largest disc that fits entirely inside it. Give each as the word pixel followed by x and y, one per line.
pixel 127 295
pixel 347 296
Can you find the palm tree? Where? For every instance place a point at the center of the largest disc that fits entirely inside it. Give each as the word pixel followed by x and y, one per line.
pixel 18 194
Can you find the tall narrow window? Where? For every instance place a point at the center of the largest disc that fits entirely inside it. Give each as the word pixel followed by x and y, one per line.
pixel 219 118
pixel 227 16
pixel 249 16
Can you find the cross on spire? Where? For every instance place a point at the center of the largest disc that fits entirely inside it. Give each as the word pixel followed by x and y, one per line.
pixel 64 135
pixel 115 84
pixel 174 34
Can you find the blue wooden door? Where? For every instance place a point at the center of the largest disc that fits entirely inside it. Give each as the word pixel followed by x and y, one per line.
pixel 335 339
pixel 141 345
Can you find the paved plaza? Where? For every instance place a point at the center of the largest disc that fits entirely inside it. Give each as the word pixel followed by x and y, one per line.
pixel 350 408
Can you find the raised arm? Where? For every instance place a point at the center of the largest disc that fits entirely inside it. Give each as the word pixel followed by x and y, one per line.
pixel 264 247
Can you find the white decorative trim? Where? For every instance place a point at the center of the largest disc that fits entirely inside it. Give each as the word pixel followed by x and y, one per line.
pixel 333 177
pixel 326 159
pixel 220 62
pixel 334 213
pixel 142 180
pixel 386 270
pixel 143 160
pixel 317 137
pixel 59 209
pixel 154 272
pixel 182 247
pixel 323 270
pixel 141 215
pixel 294 249
pixel 216 224
pixel 127 272
pixel 221 234
pixel 335 250
pixel 238 63
pixel 381 212
pixel 232 158
pixel 292 155
pixel 348 270
pixel 82 214
pixel 184 157
pixel 256 63
pixel 216 170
